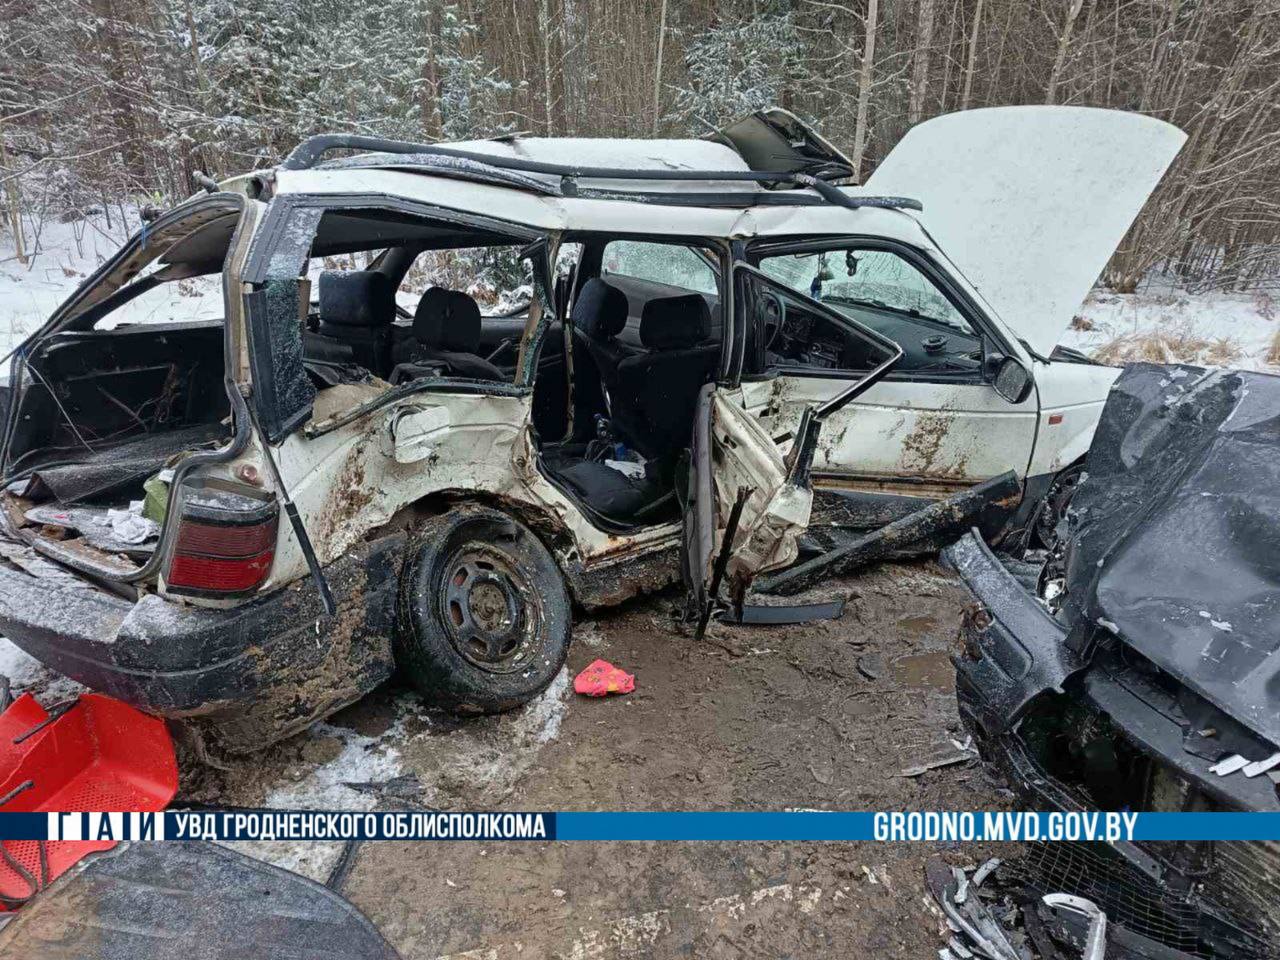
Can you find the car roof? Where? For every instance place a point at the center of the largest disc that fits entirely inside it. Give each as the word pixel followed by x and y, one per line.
pixel 665 214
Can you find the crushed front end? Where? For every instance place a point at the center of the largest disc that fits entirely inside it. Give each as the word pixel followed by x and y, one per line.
pixel 1139 668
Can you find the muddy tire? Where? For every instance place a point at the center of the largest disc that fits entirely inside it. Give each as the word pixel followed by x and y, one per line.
pixel 484 614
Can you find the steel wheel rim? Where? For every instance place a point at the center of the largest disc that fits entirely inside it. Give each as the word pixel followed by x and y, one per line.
pixel 489 609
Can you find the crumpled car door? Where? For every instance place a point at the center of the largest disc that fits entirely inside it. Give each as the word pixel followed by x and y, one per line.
pixel 745 509
pixel 747 501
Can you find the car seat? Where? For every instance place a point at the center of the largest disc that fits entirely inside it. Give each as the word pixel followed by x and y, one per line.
pixel 357 308
pixel 446 334
pixel 599 315
pixel 658 390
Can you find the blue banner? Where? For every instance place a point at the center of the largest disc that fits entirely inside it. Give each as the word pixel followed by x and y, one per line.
pixel 913 826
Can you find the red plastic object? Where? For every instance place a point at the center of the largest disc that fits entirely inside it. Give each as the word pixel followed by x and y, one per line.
pixel 602 678
pixel 100 754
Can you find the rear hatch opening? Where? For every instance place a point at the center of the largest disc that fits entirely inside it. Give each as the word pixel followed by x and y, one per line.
pixel 123 382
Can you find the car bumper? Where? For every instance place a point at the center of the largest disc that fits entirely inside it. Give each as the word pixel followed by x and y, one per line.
pixel 278 654
pixel 1017 670
pixel 1015 654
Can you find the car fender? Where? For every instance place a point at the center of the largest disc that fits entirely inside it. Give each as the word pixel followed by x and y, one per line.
pixel 1071 400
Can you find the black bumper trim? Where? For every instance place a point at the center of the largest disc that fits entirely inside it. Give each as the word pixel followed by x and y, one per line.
pixel 178 661
pixel 1014 650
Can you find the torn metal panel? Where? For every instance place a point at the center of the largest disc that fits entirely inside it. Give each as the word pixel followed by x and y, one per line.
pixel 348 481
pixel 1095 941
pixel 924 531
pixel 754 614
pixel 740 457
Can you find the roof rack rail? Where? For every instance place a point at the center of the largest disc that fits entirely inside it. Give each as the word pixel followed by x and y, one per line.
pixel 307 154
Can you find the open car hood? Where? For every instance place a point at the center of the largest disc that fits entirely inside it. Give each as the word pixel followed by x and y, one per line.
pixel 1174 534
pixel 1030 202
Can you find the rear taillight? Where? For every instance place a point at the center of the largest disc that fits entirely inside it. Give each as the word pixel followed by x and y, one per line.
pixel 225 542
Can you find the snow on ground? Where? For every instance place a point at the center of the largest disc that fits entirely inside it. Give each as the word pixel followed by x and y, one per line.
pixel 1166 324
pixel 421 759
pixel 67 254
pixel 485 753
pixel 27 675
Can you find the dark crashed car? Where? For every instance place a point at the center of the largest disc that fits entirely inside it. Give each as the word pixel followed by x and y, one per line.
pixel 1137 666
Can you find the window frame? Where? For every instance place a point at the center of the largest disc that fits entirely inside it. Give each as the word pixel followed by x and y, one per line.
pixel 992 339
pixel 279 243
pixel 745 272
pixel 729 371
pixel 699 253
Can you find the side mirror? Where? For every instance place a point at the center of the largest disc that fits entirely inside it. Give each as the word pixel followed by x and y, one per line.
pixel 1009 378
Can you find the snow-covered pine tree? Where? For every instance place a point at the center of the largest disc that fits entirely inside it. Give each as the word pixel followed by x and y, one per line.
pixel 750 58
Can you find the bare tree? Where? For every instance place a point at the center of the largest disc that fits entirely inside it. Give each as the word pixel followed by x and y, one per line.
pixel 657 67
pixel 1064 43
pixel 865 76
pixel 104 100
pixel 920 69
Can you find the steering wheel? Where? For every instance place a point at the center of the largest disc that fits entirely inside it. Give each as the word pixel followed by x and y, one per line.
pixel 774 314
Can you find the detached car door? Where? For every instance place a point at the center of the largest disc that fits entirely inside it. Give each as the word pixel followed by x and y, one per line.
pixel 749 494
pixel 935 424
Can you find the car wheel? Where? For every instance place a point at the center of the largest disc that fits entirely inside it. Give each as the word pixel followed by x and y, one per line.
pixel 484 613
pixel 1054 506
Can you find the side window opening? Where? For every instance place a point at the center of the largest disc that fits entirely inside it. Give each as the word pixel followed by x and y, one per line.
pixel 384 297
pixel 673 264
pixel 454 312
pixel 788 331
pixel 891 295
pixel 180 300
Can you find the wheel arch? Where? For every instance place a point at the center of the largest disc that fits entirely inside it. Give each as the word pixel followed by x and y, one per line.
pixel 590 588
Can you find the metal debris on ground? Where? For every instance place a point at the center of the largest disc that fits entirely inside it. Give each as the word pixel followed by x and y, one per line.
pixel 983 922
pixel 925 531
pixel 958 753
pixel 778 614
pixel 1021 910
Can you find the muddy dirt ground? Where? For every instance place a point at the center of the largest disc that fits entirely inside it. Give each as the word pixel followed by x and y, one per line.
pixel 821 716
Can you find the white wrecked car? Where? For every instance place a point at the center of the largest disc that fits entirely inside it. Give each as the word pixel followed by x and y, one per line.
pixel 735 332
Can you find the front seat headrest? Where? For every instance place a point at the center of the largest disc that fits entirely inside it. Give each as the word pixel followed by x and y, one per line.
pixel 447 320
pixel 600 311
pixel 674 323
pixel 357 298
